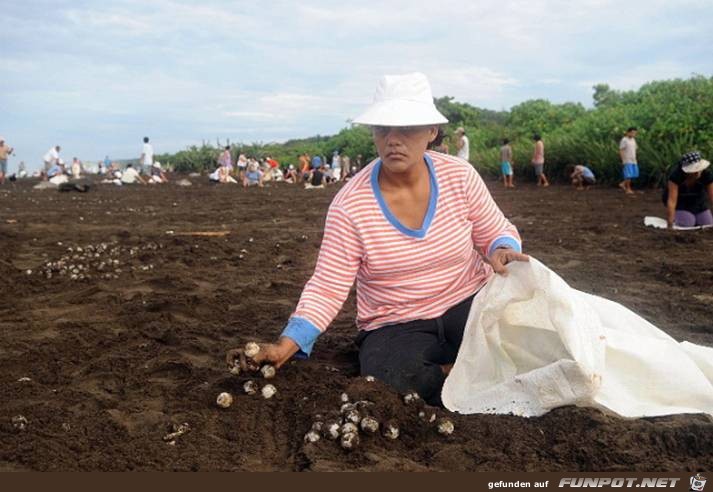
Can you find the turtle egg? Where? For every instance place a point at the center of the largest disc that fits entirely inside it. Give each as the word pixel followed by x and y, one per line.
pixel 344 397
pixel 268 391
pixel 268 371
pixel 350 440
pixel 331 429
pixel 19 422
pixel 224 400
pixel 312 436
pixel 369 424
pixel 251 349
pixel 235 369
pixel 250 387
pixel 352 416
pixel 349 428
pixel 410 398
pixel 445 427
pixel 391 431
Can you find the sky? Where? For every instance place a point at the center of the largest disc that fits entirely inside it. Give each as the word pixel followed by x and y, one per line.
pixel 96 77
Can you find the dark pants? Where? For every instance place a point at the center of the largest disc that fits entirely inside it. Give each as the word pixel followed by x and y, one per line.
pixel 409 356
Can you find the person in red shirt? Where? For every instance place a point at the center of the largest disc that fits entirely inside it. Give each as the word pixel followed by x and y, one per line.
pixel 417 270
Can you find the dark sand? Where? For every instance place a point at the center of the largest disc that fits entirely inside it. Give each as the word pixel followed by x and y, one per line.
pixel 115 362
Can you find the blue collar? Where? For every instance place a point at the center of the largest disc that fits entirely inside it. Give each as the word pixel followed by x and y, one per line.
pixel 432 201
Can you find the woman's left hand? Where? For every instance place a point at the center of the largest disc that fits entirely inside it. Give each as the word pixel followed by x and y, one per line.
pixel 502 256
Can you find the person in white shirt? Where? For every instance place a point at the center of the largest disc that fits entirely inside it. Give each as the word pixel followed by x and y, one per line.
pixel 131 176
pixel 147 155
pixel 51 157
pixel 76 168
pixel 462 144
pixel 336 166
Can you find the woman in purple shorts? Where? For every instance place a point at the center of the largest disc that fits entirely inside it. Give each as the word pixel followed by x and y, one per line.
pixel 690 185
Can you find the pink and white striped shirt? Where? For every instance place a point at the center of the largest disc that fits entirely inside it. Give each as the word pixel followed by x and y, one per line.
pixel 402 274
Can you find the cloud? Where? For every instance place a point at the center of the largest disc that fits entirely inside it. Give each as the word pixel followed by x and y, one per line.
pixel 183 71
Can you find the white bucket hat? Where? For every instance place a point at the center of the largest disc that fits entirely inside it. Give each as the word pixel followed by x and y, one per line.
pixel 693 163
pixel 402 100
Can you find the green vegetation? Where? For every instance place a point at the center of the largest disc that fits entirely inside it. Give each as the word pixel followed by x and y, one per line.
pixel 673 117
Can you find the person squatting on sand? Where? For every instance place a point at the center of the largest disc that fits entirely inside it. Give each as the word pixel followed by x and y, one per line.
pixel 253 174
pixel 410 228
pixel 290 175
pixel 582 177
pixel 689 184
pixel 51 158
pixel 157 174
pixel 131 176
pixel 316 177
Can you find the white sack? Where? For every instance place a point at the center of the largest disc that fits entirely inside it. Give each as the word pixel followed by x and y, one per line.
pixel 659 223
pixel 532 343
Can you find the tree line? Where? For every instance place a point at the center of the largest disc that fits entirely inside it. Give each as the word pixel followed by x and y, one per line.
pixel 673 117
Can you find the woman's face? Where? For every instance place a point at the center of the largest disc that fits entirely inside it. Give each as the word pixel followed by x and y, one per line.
pixel 402 147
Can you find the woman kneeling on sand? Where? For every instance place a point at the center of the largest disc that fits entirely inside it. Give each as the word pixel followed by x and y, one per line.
pixel 410 228
pixel 689 185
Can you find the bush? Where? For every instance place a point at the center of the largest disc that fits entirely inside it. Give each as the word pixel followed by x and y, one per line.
pixel 673 117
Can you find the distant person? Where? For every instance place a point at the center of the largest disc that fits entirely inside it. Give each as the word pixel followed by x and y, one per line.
pixel 630 166
pixel 107 164
pixel 303 164
pixel 76 168
pixel 5 151
pixel 316 162
pixel 21 170
pixel 131 176
pixel 272 162
pixel 506 164
pixel 336 166
pixel 57 173
pixel 346 166
pixel 253 175
pixel 224 175
pixel 352 172
pixel 290 175
pixel 582 177
pixel 538 161
pixel 146 155
pixel 242 166
pixel 316 178
pixel 440 143
pixel 225 159
pixel 689 185
pixel 462 144
pixel 51 157
pixel 359 162
pixel 157 174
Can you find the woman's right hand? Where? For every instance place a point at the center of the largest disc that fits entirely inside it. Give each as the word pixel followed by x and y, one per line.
pixel 277 353
pixel 274 353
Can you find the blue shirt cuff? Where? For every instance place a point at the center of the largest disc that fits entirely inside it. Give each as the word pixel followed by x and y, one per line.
pixel 505 242
pixel 303 333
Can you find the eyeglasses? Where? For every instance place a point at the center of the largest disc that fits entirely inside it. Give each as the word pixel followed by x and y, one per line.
pixel 382 131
